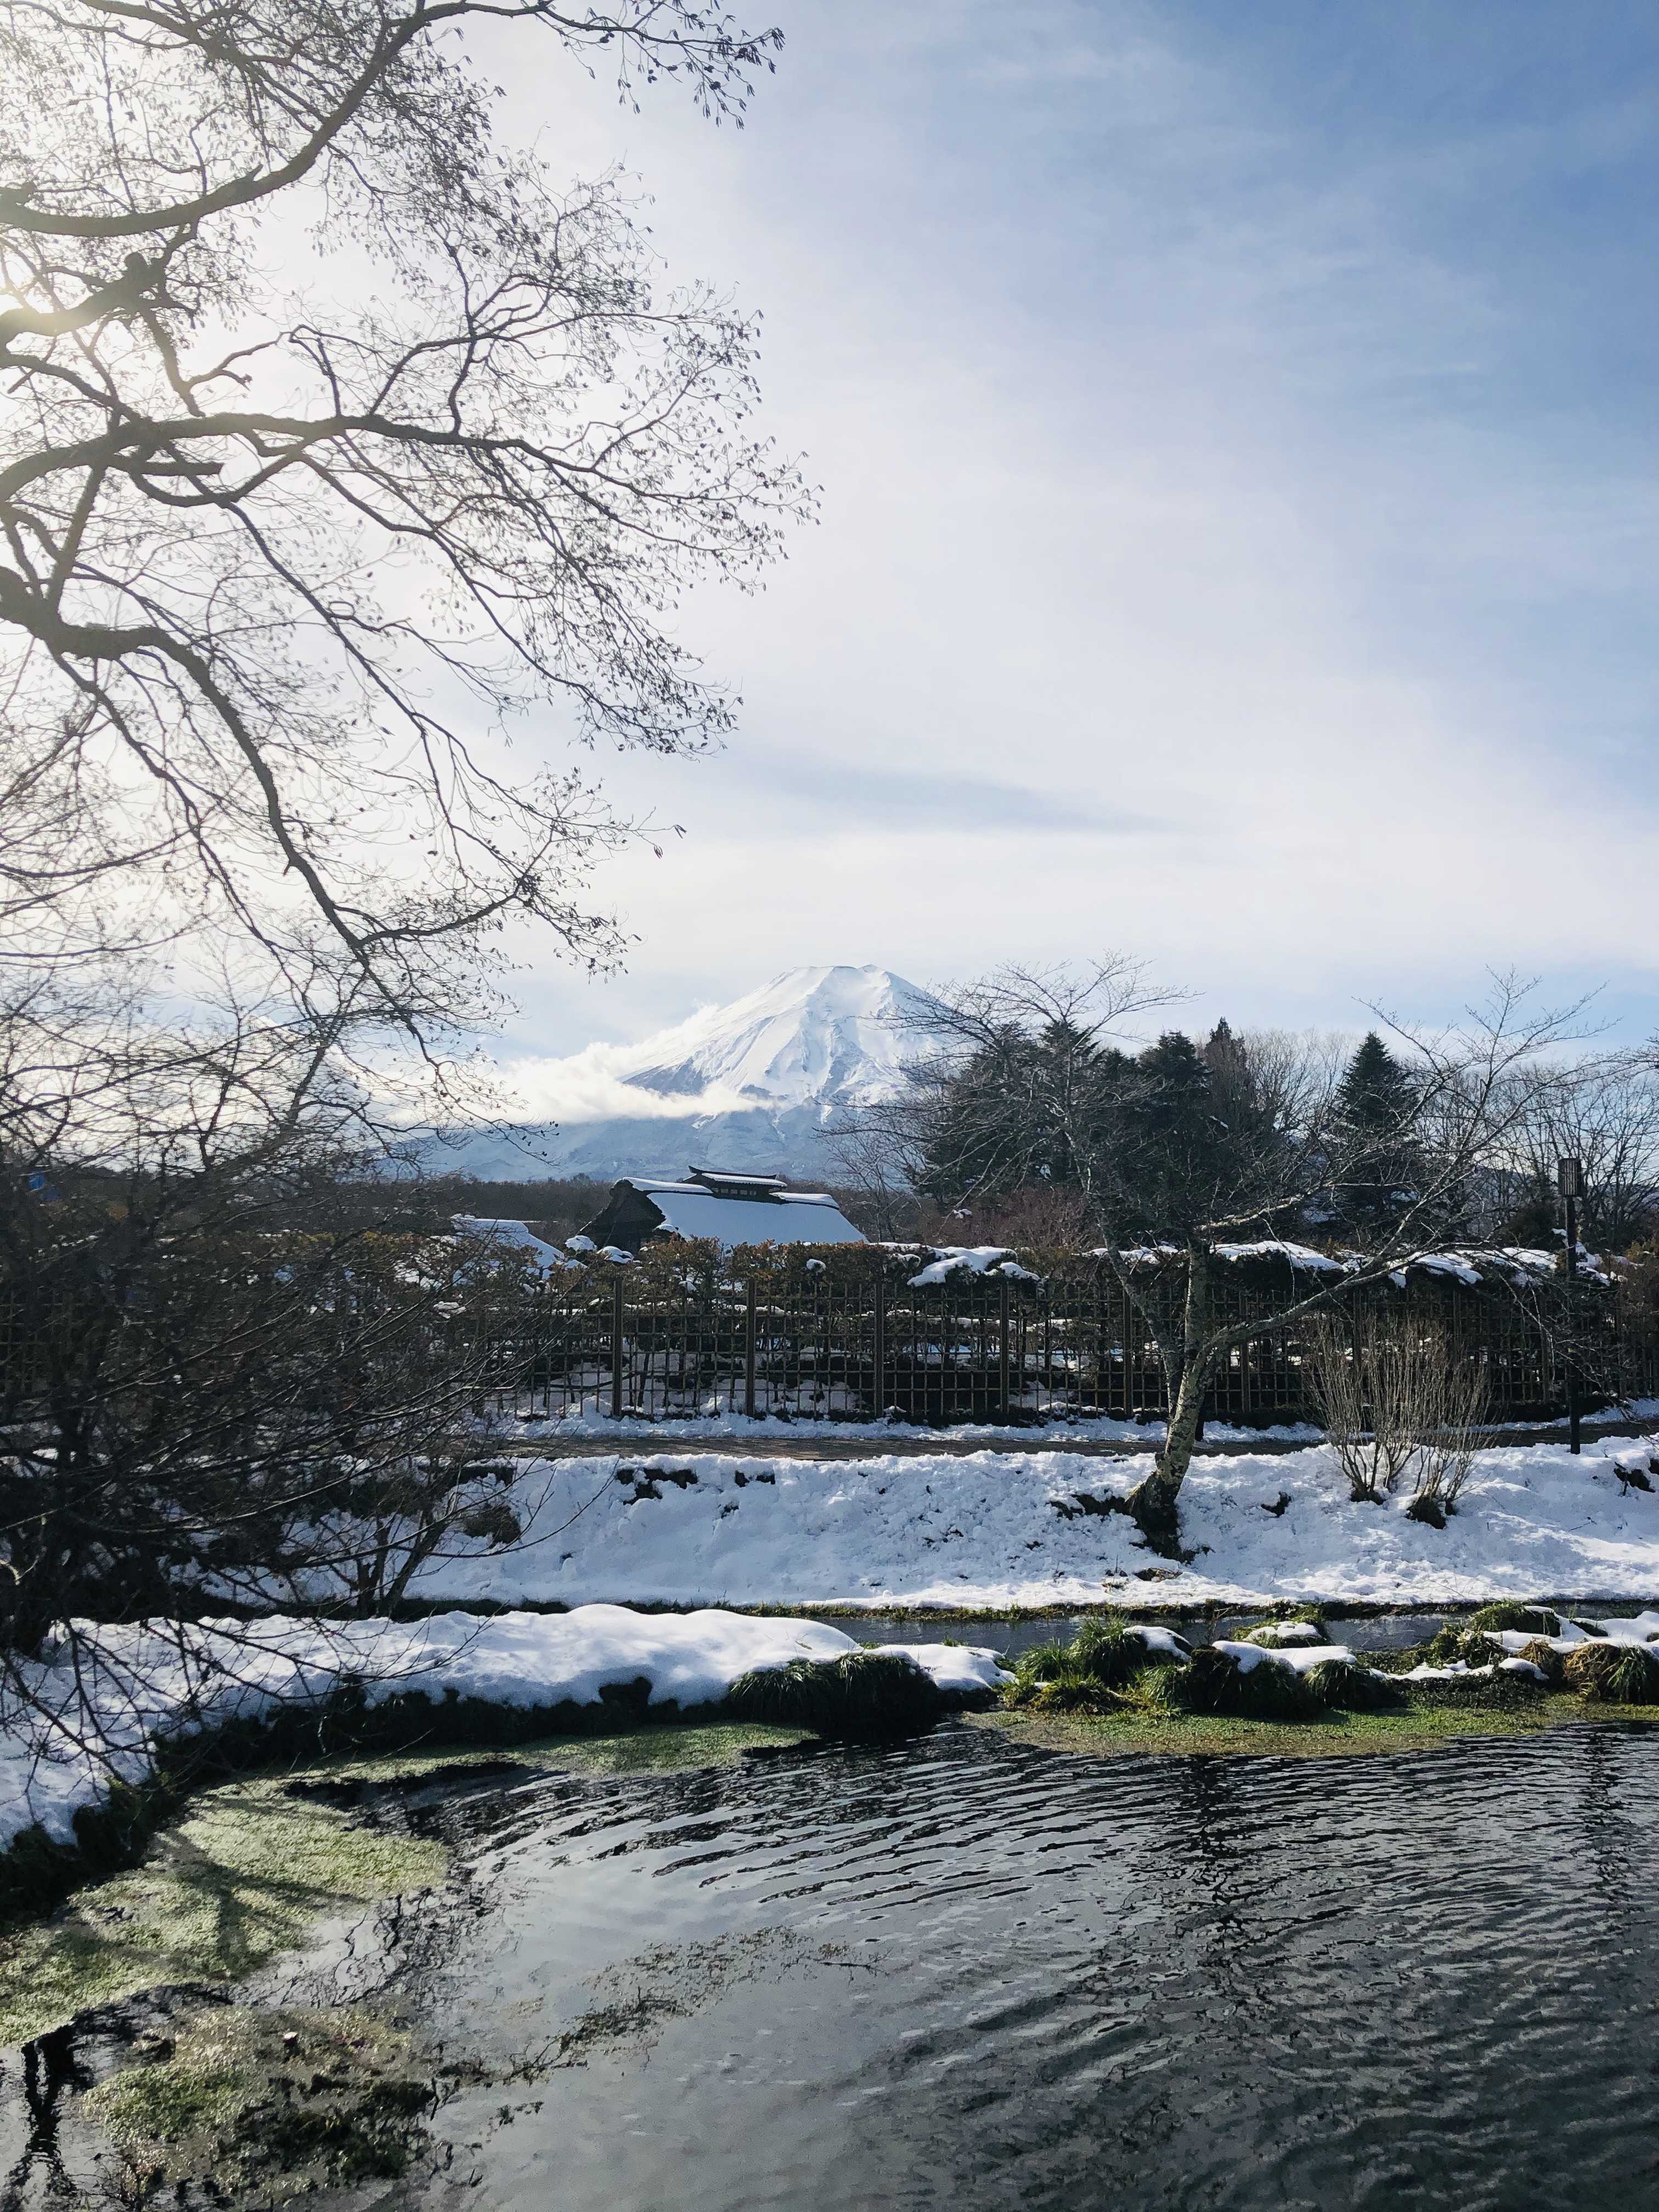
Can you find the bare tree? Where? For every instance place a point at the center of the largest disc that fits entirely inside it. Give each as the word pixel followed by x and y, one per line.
pixel 1186 1159
pixel 1394 1393
pixel 1605 1113
pixel 215 1383
pixel 309 584
pixel 284 571
pixel 1451 1405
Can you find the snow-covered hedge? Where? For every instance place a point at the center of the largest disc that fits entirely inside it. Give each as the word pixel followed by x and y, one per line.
pixel 150 1687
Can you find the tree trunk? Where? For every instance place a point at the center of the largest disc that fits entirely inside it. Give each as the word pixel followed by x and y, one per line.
pixel 1154 1502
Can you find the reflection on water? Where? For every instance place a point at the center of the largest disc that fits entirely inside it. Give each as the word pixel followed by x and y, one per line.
pixel 967 1974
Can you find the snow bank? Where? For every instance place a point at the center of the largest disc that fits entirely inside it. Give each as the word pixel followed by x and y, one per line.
pixel 997 1528
pixel 151 1686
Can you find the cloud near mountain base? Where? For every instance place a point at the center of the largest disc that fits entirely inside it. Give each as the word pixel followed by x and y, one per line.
pixel 592 1085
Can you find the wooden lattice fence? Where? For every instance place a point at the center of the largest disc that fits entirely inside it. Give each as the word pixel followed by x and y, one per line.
pixel 848 1335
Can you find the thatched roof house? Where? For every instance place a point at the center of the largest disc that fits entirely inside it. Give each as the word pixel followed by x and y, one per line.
pixel 732 1209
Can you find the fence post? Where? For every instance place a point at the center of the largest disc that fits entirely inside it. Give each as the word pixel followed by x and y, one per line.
pixel 749 1356
pixel 879 1394
pixel 1002 1347
pixel 617 1347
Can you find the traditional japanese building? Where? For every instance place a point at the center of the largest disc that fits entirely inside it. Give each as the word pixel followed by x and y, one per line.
pixel 732 1209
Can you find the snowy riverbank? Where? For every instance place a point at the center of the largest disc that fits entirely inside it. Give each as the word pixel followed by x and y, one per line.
pixel 992 1529
pixel 146 1685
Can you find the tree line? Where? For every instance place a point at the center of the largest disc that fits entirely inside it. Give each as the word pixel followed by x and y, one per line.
pixel 1168 1157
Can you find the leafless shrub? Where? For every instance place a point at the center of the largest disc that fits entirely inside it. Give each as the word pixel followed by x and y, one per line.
pixel 1358 1371
pixel 1395 1394
pixel 1451 1404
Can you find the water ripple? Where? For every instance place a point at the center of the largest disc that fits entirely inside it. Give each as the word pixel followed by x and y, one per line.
pixel 1428 1980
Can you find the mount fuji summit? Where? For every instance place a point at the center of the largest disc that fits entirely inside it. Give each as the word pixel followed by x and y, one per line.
pixel 753 1084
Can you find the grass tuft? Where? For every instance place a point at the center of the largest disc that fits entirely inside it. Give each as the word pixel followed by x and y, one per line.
pixel 1345 1686
pixel 1612 1673
pixel 1216 1683
pixel 1105 1662
pixel 1272 1631
pixel 1549 1661
pixel 861 1696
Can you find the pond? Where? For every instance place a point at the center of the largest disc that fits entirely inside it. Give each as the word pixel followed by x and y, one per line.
pixel 969 1973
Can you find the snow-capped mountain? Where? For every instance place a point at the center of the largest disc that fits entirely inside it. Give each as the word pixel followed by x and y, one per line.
pixel 752 1084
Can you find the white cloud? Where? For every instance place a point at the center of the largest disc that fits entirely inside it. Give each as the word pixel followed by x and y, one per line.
pixel 591 1085
pixel 1171 478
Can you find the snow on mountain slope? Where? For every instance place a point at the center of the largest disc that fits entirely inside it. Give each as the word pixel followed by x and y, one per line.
pixel 752 1085
pixel 811 1034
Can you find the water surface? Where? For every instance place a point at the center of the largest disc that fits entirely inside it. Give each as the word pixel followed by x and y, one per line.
pixel 967 1974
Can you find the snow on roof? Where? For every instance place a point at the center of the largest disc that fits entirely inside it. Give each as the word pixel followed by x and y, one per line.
pixel 1465 1263
pixel 1264 1247
pixel 787 1217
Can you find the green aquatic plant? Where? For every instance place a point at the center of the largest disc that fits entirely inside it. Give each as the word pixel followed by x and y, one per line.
pixel 257 2097
pixel 240 1878
pixel 860 1694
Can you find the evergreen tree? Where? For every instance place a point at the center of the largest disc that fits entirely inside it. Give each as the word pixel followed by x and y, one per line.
pixel 1375 1104
pixel 1375 1092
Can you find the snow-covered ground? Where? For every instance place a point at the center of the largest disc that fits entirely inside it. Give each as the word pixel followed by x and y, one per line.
pixel 763 1429
pixel 996 1528
pixel 146 1684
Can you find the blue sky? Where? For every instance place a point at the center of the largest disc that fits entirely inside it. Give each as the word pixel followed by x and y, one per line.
pixel 1240 512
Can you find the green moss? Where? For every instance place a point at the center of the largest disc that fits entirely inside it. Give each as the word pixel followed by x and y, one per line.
pixel 285 2102
pixel 240 1879
pixel 250 1867
pixel 1417 1725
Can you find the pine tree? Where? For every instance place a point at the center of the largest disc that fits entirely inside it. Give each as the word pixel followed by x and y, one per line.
pixel 1374 1101
pixel 1375 1093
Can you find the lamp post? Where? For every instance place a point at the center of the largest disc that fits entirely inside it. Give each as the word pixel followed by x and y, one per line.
pixel 1570 1182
